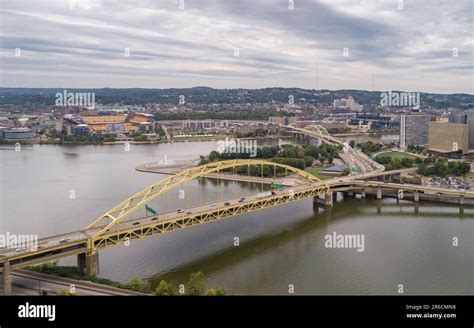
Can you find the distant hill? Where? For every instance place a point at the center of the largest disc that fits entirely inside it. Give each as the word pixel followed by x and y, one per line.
pixel 206 96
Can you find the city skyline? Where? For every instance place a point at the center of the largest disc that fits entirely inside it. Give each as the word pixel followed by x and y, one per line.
pixel 390 45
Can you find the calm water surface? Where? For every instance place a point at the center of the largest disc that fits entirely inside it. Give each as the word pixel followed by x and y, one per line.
pixel 404 244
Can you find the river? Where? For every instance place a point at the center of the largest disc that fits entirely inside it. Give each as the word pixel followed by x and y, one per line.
pixel 52 189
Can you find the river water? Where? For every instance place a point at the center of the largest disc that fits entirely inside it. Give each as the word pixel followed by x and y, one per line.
pixel 52 189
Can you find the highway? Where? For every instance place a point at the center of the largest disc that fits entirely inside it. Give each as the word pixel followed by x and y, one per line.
pixel 25 281
pixel 353 157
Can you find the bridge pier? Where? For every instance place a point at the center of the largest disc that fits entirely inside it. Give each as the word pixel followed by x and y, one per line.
pixel 461 200
pixel 88 263
pixel 350 193
pixel 362 194
pixel 327 201
pixel 6 280
pixel 81 263
pixel 379 193
pixel 416 196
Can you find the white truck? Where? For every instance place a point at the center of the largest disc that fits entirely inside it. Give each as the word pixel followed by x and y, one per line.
pixel 264 194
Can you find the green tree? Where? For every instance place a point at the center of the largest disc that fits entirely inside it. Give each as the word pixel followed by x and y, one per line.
pixel 214 156
pixel 216 292
pixel 311 150
pixel 139 285
pixel 346 171
pixel 308 160
pixel 164 289
pixel 66 293
pixel 196 284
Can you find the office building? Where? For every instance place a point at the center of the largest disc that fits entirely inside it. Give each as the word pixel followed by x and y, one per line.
pixel 449 139
pixel 471 134
pixel 414 130
pixel 457 118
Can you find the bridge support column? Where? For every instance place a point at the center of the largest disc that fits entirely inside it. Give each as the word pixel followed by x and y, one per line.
pixel 6 280
pixel 92 264
pixel 327 201
pixel 416 196
pixel 379 193
pixel 350 193
pixel 379 209
pixel 461 200
pixel 81 263
pixel 362 194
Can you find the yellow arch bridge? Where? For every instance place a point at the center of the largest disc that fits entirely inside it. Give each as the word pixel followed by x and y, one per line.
pixel 116 227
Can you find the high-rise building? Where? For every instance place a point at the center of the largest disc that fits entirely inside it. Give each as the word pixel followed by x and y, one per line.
pixel 471 134
pixel 339 103
pixel 414 130
pixel 457 118
pixel 448 138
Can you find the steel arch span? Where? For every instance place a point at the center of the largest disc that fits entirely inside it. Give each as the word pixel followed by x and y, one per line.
pixel 140 199
pixel 321 130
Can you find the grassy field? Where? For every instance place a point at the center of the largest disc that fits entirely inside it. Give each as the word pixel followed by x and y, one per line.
pixel 316 172
pixel 396 155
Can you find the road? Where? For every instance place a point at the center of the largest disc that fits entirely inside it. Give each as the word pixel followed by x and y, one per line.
pixel 24 282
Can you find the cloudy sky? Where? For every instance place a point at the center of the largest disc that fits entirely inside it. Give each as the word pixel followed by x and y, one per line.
pixel 330 44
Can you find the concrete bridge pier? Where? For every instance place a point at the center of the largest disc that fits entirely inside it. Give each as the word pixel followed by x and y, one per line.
pixel 461 200
pixel 88 263
pixel 379 193
pixel 362 194
pixel 416 196
pixel 6 280
pixel 326 201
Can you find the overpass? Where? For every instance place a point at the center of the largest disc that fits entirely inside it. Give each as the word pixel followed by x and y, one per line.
pixel 353 157
pixel 117 226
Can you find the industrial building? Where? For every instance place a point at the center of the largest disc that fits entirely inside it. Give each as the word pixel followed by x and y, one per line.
pixel 17 133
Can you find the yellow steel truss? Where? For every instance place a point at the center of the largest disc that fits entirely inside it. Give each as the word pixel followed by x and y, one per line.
pixel 315 131
pixel 142 231
pixel 133 203
pixel 319 129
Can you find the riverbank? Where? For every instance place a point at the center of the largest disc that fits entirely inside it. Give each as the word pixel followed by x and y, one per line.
pixel 121 142
pixel 361 134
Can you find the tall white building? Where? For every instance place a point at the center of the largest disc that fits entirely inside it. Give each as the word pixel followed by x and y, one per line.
pixel 414 130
